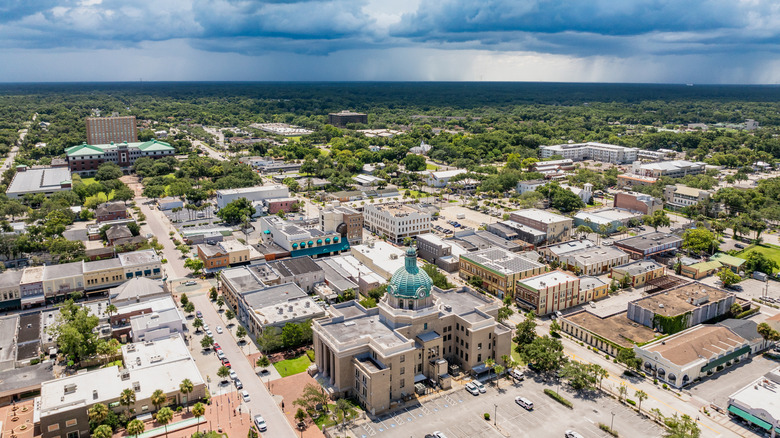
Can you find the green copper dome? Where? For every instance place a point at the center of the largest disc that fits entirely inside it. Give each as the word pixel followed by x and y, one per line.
pixel 410 281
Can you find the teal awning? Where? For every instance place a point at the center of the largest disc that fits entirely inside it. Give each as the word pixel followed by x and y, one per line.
pixel 267 232
pixel 751 418
pixel 721 360
pixel 317 250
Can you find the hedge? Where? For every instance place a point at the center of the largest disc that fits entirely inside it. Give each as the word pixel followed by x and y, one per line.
pixel 557 397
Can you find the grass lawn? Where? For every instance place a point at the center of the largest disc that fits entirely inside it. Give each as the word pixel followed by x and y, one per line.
pixel 770 251
pixel 327 419
pixel 292 366
pixel 516 355
pixel 429 166
pixel 88 181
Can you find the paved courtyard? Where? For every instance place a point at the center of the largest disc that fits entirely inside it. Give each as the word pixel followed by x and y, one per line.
pixel 460 415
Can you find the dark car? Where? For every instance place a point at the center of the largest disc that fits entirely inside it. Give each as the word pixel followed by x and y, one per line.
pixel 734 287
pixel 199 314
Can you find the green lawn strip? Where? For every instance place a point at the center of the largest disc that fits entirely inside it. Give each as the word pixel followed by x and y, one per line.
pixel 771 251
pixel 326 419
pixel 292 366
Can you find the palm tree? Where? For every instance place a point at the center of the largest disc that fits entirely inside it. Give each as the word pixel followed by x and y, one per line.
pixel 600 373
pixel 136 427
pixel 505 359
pixel 97 413
pixel 640 395
pixel 110 310
pixel 498 369
pixel 622 390
pixel 198 411
pixel 489 364
pixel 164 416
pixel 127 398
pixel 103 431
pixel 622 230
pixel 186 387
pixel 158 398
pixel 657 413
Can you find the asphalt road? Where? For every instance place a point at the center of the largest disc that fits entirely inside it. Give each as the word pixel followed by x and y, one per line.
pixel 158 225
pixel 261 400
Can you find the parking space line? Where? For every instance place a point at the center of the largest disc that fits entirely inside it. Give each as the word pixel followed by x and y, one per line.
pixel 411 415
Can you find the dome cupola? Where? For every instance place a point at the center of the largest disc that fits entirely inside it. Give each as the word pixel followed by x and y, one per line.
pixel 410 281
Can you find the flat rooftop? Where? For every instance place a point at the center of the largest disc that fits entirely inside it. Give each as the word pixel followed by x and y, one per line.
pixel 570 246
pixel 397 210
pixel 597 254
pixel 362 330
pixel 39 180
pixel 761 394
pixel 137 258
pixel 616 328
pixel 7 338
pixel 701 342
pixel 241 279
pixel 19 379
pixel 548 279
pixel 649 241
pixel 681 299
pixel 501 261
pixel 541 215
pixel 638 267
pixel 273 295
pixel 291 310
pixel 463 301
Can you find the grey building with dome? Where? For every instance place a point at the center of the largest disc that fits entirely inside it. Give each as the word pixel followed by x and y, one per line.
pixel 414 334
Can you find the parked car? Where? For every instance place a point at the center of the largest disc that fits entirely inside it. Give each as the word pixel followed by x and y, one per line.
pixel 190 283
pixel 264 372
pixel 524 403
pixel 472 388
pixel 517 374
pixel 739 245
pixel 238 383
pixel 198 314
pixel 436 434
pixel 205 326
pixel 479 386
pixel 572 434
pixel 245 396
pixel 260 423
pixel 219 329
pixel 208 333
pixel 226 362
pixel 233 375
pixel 220 354
pixel 217 347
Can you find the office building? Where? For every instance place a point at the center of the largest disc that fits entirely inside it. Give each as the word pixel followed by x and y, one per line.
pixel 530 186
pixel 396 221
pixel 558 228
pixel 436 250
pixel 102 130
pixel 43 180
pixel 681 307
pixel 606 153
pixel 344 220
pixel 415 333
pixel 549 292
pixel 638 202
pixel 344 117
pixel 441 178
pixel 85 159
pixel 627 180
pixel 679 196
pixel 611 218
pixel 671 169
pixel 593 261
pixel 220 255
pixel 650 244
pixel 252 194
pixel 512 230
pixel 638 273
pixel 499 269
pixel 300 241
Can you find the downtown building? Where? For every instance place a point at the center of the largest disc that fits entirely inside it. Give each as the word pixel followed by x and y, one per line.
pixel 396 221
pixel 606 153
pixel 117 129
pixel 84 159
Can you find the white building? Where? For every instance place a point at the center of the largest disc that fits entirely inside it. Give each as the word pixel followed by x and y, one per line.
pixel 161 322
pixel 759 402
pixel 298 240
pixel 529 186
pixel 380 256
pixel 606 153
pixel 672 169
pixel 679 195
pixel 441 178
pixel 396 221
pixel 252 194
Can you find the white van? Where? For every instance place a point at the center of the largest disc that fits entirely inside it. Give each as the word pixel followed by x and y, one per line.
pixel 517 374
pixel 461 216
pixel 525 403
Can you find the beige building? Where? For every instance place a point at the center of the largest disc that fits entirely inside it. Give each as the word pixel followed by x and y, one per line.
pixel 594 261
pixel 557 227
pixel 396 221
pixel 638 272
pixel 499 269
pixel 345 220
pixel 415 333
pixel 549 292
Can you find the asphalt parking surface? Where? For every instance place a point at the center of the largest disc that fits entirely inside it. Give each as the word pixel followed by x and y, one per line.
pixel 717 388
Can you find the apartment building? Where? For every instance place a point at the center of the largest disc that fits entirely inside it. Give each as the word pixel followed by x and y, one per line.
pixel 102 130
pixel 549 292
pixel 396 221
pixel 606 153
pixel 85 159
pixel 344 220
pixel 499 269
pixel 558 228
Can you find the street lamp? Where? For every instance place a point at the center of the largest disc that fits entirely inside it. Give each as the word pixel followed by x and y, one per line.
pixel 495 413
pixel 612 423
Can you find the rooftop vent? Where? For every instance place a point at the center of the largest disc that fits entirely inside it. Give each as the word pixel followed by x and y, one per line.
pixel 125 375
pixel 94 394
pixel 156 358
pixel 70 388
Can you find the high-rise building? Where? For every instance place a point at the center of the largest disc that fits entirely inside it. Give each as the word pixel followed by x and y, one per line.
pixel 341 119
pixel 103 130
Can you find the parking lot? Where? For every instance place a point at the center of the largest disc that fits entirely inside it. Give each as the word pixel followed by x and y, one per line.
pixel 461 415
pixel 719 387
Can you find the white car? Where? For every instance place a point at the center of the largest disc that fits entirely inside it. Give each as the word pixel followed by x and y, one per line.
pixel 260 423
pixel 479 386
pixel 208 333
pixel 205 326
pixel 525 403
pixel 220 354
pixel 472 388
pixel 245 396
pixel 572 434
pixel 233 375
pixel 219 329
pixel 517 374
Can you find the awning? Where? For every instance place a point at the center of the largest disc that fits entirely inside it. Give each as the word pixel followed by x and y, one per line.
pixel 751 418
pixel 479 369
pixel 721 360
pixel 267 232
pixel 419 378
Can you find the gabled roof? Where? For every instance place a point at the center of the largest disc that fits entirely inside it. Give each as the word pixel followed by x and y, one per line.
pixel 154 145
pixel 727 259
pixel 83 149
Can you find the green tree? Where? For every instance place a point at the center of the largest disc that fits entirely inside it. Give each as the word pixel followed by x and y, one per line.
pixel 97 413
pixel 198 411
pixel 757 261
pixel 627 356
pixel 300 415
pixel 220 302
pixel 127 399
pixel 599 373
pixel 263 362
pixel 291 335
pixel 767 332
pixel 476 281
pixel 158 399
pixel 223 372
pixel 526 330
pixel 123 193
pixel 236 211
pixel 699 241
pixel 164 416
pixel 311 397
pixel 213 294
pixel 108 171
pixel 197 323
pixel 504 313
pixel 681 427
pixel 641 396
pixel 579 376
pixel 240 333
pixel 230 316
pixel 489 364
pixel 194 265
pixel 735 310
pixel 545 353
pixel 102 431
pixel 189 308
pixel 414 163
pixel 622 391
pixel 75 333
pixel 135 427
pixel 186 387
pixel 728 277
pixel 345 409
pixel 657 219
pixel 154 192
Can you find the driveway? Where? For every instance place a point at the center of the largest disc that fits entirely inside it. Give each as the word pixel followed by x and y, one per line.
pixel 262 402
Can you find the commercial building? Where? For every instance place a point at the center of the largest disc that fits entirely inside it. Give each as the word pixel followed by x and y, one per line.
pixel 638 273
pixel 499 269
pixel 692 354
pixel 671 169
pixel 530 186
pixel 111 211
pixel 416 333
pixel 147 320
pixel 344 117
pixel 347 272
pixel 553 253
pixel 593 288
pixel 593 261
pixel 436 250
pixel 512 230
pixel 611 218
pixel 85 159
pixel 681 307
pixel 628 180
pixel 137 290
pixel 679 196
pixel 748 330
pixel 344 220
pixel 729 261
pixel 252 194
pixel 101 130
pixel 700 270
pixel 638 202
pixel 650 244
pixel 226 253
pixel 553 167
pixel 62 408
pixel 300 241
pixel 759 403
pixel 476 240
pixel 606 153
pixel 549 292
pixel 43 180
pixel 558 228
pixel 609 333
pixel 379 256
pixel 442 178
pixel 396 221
